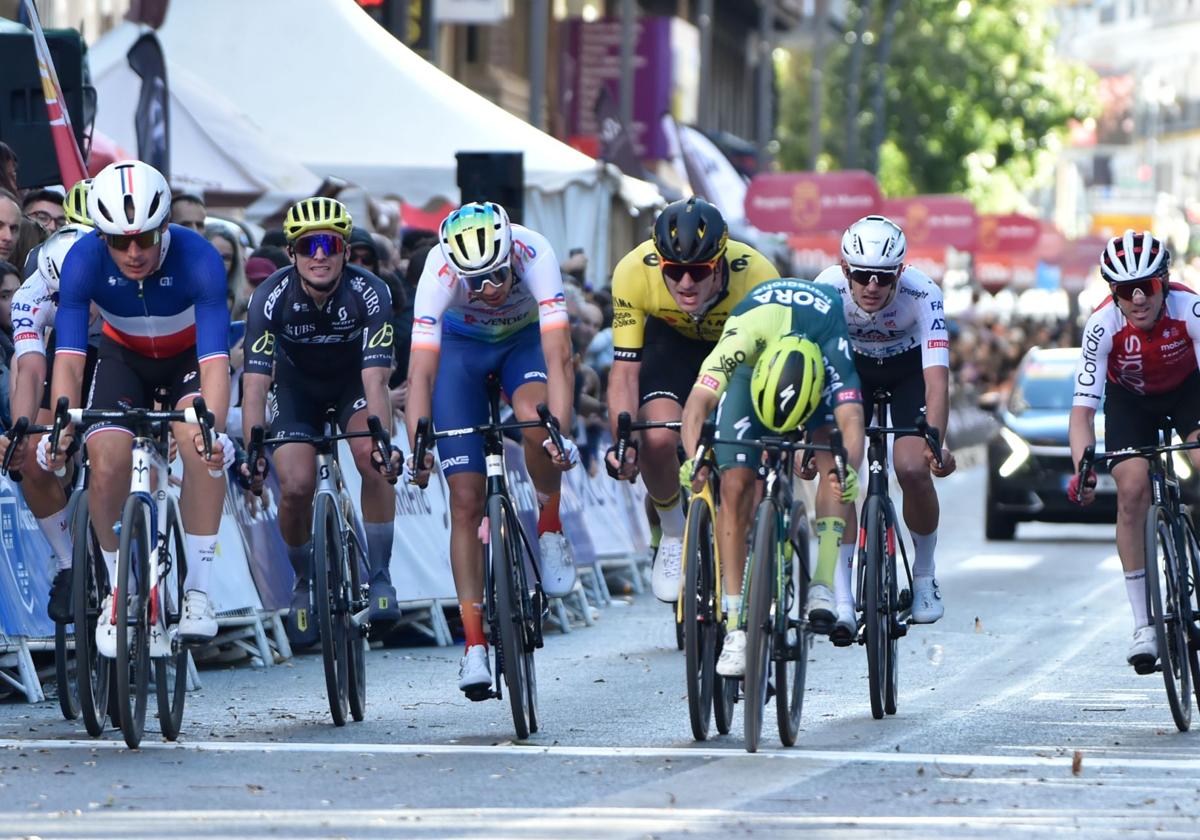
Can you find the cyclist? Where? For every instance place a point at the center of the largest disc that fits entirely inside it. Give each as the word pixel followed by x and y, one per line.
pixel 671 296
pixel 33 308
pixel 308 326
pixel 1140 350
pixel 74 206
pixel 783 362
pixel 897 327
pixel 490 300
pixel 161 292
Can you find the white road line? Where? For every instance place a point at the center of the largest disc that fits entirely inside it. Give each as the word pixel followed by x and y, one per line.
pixel 835 756
pixel 999 562
pixel 1111 563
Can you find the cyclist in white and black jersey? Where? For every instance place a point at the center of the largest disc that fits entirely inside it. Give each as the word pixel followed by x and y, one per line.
pixel 897 328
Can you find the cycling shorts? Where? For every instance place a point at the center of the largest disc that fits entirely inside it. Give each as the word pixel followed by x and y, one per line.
pixel 902 375
pixel 736 419
pixel 670 363
pixel 460 397
pixel 301 402
pixel 125 379
pixel 89 369
pixel 1132 419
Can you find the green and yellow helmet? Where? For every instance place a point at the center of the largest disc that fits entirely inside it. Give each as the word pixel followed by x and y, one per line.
pixel 316 213
pixel 787 382
pixel 75 204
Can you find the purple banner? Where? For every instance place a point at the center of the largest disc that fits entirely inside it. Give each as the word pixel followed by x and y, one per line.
pixel 25 568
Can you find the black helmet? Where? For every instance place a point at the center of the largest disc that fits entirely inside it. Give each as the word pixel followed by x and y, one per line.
pixel 690 231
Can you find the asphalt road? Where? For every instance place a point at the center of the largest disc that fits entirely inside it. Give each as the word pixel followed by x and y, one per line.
pixel 1017 716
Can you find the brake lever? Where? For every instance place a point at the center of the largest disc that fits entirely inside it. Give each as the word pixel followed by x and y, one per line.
pixel 257 436
pixel 383 446
pixel 14 434
pixel 624 422
pixel 61 417
pixel 550 422
pixel 933 439
pixel 839 455
pixel 420 445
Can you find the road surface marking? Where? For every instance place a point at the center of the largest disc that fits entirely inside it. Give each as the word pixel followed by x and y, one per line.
pixel 1000 562
pixel 1111 563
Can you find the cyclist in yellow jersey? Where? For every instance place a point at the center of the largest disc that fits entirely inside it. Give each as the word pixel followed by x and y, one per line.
pixel 671 297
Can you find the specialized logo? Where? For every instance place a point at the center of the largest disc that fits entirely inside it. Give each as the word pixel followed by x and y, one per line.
pixel 787 395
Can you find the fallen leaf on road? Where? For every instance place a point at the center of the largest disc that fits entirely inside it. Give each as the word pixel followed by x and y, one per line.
pixel 1077 763
pixel 978 625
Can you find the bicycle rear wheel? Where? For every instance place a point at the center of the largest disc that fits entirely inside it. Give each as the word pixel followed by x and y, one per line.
pixel 891 684
pixel 133 639
pixel 760 623
pixel 356 653
pixel 699 617
pixel 508 580
pixel 89 587
pixel 1165 601
pixel 877 615
pixel 64 672
pixel 328 564
pixel 1192 569
pixel 170 672
pixel 791 659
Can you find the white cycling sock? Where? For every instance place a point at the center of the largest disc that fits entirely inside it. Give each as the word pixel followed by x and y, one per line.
pixel 733 606
pixel 200 552
pixel 923 546
pixel 1135 588
pixel 843 582
pixel 110 563
pixel 671 516
pixel 57 531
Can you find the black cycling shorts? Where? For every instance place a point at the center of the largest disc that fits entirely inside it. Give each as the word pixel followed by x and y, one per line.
pixel 125 379
pixel 670 363
pixel 301 401
pixel 1132 419
pixel 904 378
pixel 89 369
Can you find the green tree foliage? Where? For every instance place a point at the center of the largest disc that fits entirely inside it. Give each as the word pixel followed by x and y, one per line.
pixel 975 99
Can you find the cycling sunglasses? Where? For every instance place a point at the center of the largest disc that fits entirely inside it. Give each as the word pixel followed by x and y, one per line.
pixel 1148 287
pixel 495 278
pixel 674 271
pixel 122 241
pixel 330 243
pixel 864 276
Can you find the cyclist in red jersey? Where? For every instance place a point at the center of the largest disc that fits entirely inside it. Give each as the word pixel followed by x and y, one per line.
pixel 1140 352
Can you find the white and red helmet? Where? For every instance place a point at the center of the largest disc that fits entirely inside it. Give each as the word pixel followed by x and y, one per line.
pixel 1134 256
pixel 54 252
pixel 129 197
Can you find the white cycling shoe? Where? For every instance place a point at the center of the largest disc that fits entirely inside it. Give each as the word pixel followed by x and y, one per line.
pixel 199 623
pixel 668 564
pixel 822 609
pixel 1143 653
pixel 558 564
pixel 106 631
pixel 846 628
pixel 927 604
pixel 732 662
pixel 475 673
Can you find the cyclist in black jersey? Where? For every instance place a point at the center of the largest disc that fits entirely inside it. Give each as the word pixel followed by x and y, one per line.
pixel 308 327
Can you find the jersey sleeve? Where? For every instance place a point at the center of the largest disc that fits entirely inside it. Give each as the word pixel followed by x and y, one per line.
pixel 842 384
pixel 32 313
pixel 1092 368
pixel 80 269
pixel 379 335
pixel 259 343
pixel 435 294
pixel 931 315
pixel 211 304
pixel 629 307
pixel 746 333
pixel 539 271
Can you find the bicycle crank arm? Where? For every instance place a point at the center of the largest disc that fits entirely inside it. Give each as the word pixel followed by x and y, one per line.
pixel 362 621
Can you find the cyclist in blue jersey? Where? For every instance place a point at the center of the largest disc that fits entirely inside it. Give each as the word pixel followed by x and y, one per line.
pixel 490 300
pixel 160 289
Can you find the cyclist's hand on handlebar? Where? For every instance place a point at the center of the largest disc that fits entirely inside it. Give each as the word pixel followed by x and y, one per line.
pixel 692 477
pixel 622 472
pixel 848 492
pixel 1085 494
pixel 948 463
pixel 56 460
pixel 252 480
pixel 566 459
pixel 804 466
pixel 419 477
pixel 394 468
pixel 18 455
pixel 223 452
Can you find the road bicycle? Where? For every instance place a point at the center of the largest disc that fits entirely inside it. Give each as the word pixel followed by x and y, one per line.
pixel 337 591
pixel 1172 571
pixel 513 610
pixel 884 605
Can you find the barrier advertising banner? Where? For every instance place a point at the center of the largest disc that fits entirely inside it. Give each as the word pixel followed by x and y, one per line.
pixel 25 567
pixel 810 202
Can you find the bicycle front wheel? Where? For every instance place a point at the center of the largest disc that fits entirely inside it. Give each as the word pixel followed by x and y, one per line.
pixel 170 672
pixel 64 672
pixel 877 613
pixel 133 621
pixel 356 653
pixel 699 616
pixel 508 574
pixel 792 656
pixel 760 620
pixel 1167 604
pixel 89 587
pixel 1192 570
pixel 328 553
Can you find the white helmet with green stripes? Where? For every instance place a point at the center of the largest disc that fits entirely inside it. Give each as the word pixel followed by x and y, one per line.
pixel 477 238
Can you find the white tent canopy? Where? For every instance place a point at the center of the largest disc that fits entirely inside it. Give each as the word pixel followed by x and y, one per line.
pixel 214 146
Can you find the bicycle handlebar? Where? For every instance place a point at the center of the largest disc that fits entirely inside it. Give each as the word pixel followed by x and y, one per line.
pixel 383 445
pixel 551 424
pixel 625 429
pixel 426 435
pixel 18 431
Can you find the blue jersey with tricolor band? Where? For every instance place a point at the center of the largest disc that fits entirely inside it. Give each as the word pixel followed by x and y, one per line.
pixel 444 300
pixel 180 305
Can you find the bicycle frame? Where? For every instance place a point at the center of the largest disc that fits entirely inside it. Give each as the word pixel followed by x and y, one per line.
pixel 708 496
pixel 878 467
pixel 149 481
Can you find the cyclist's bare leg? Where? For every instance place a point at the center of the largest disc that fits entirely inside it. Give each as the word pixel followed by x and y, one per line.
pixel 921 509
pixel 467 491
pixel 738 486
pixel 1193 454
pixel 545 477
pixel 378 501
pixel 111 460
pixel 296 466
pixel 1133 500
pixel 658 458
pixel 201 501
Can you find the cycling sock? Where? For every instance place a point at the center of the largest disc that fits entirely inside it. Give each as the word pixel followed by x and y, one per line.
pixel 670 515
pixel 57 532
pixel 110 563
pixel 298 556
pixel 1135 588
pixel 843 583
pixel 472 621
pixel 829 537
pixel 548 518
pixel 923 546
pixel 655 537
pixel 733 609
pixel 379 550
pixel 200 552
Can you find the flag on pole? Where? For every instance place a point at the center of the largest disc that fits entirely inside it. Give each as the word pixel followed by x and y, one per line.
pixel 70 159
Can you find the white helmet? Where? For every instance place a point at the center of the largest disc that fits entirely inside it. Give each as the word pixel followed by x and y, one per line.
pixel 54 252
pixel 129 197
pixel 476 238
pixel 1134 256
pixel 874 242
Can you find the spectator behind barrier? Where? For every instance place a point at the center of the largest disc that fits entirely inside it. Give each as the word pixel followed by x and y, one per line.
pixel 274 239
pixel 227 245
pixel 264 261
pixel 10 281
pixel 8 170
pixel 44 207
pixel 398 384
pixel 10 224
pixel 29 235
pixel 188 210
